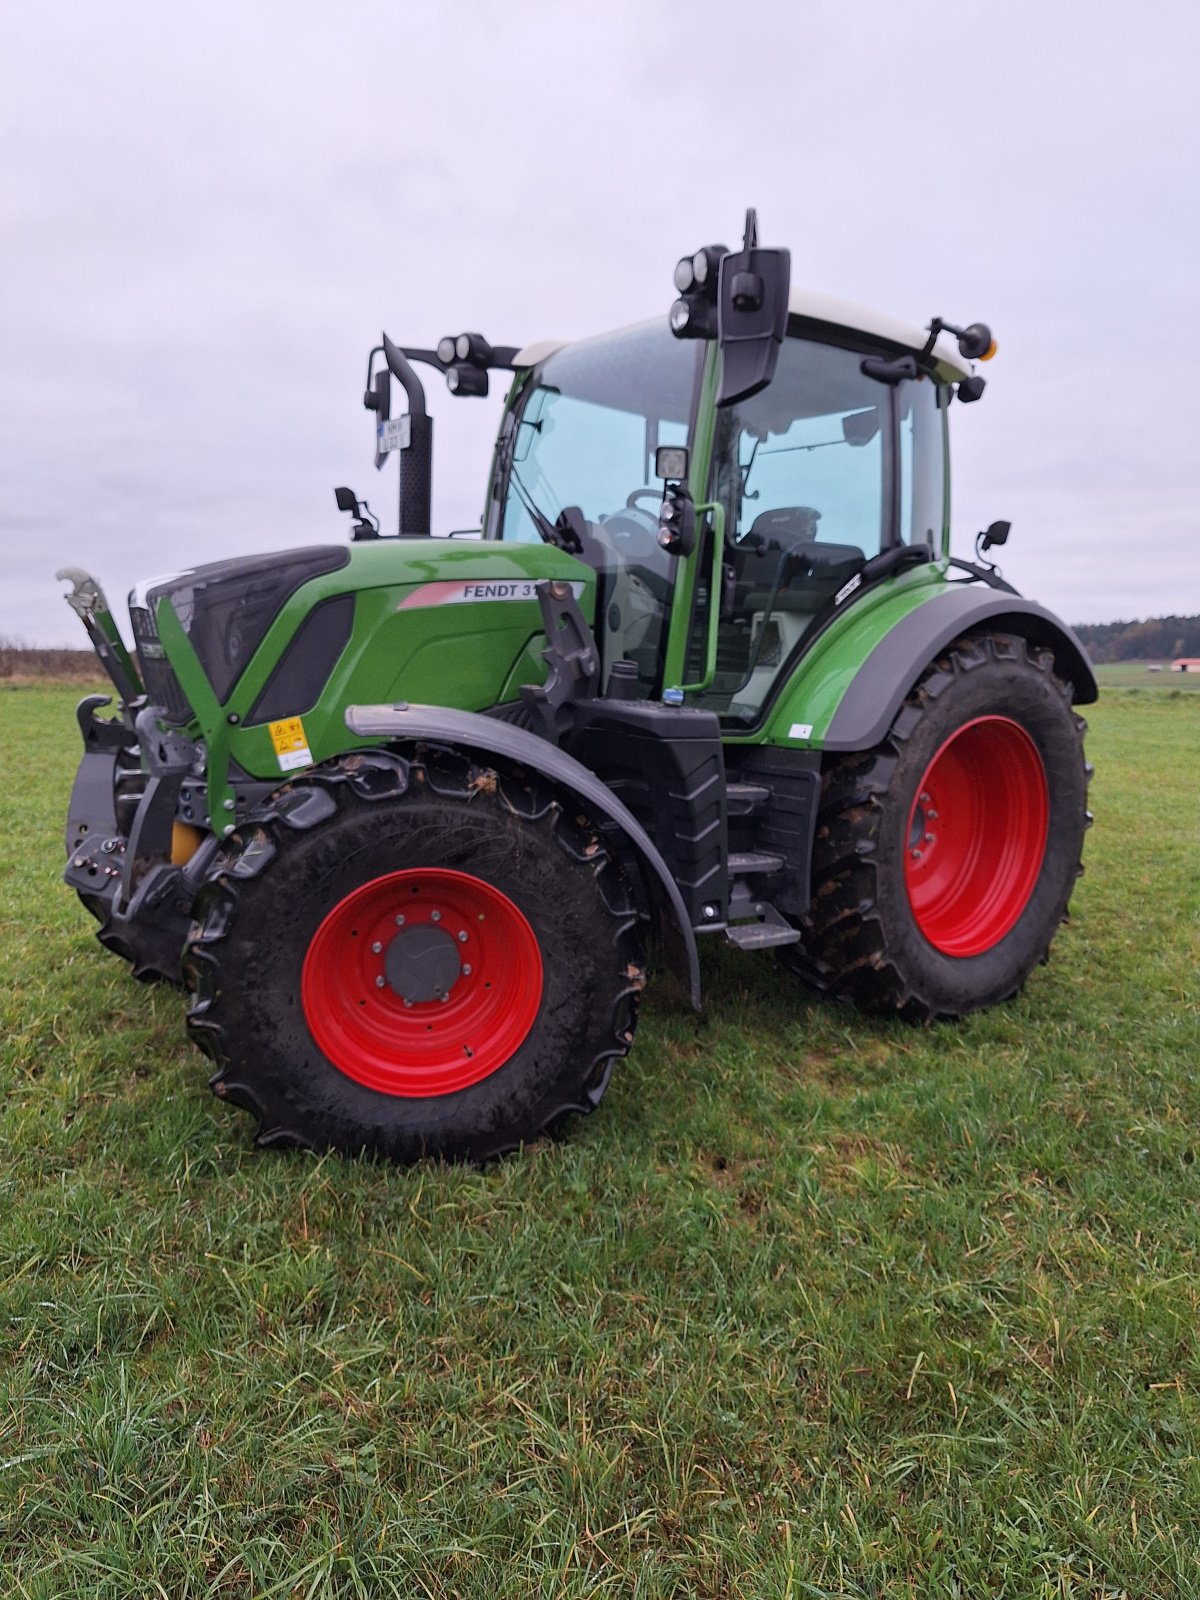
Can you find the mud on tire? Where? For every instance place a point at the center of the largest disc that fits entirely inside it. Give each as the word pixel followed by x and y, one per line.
pixel 457 938
pixel 930 913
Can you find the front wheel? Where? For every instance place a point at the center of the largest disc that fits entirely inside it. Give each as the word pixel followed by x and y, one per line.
pixel 415 957
pixel 945 858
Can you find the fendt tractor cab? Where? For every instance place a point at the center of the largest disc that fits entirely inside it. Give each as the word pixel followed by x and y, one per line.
pixel 402 812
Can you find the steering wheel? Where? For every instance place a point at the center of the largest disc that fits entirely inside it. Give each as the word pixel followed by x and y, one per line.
pixel 634 532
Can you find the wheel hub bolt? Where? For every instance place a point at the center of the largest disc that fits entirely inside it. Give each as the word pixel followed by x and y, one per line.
pixel 377 948
pixel 928 838
pixel 916 855
pixel 462 938
pixel 435 916
pixel 399 922
pixel 380 981
pixel 466 969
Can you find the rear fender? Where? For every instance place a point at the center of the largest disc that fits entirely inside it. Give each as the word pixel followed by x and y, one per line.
pixel 887 676
pixel 848 688
pixel 488 736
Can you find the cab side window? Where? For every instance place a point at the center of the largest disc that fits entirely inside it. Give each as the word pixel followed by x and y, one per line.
pixel 923 462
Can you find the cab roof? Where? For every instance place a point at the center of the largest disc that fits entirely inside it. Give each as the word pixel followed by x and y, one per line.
pixel 828 310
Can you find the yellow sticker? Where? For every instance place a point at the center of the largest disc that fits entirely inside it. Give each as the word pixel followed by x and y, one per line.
pixel 291 744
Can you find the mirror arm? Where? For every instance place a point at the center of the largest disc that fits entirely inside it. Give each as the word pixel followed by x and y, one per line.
pixel 399 366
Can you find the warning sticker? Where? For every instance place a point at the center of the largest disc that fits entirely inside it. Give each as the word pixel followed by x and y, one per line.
pixel 291 744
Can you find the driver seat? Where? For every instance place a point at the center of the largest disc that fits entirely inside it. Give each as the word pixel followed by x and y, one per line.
pixel 781 555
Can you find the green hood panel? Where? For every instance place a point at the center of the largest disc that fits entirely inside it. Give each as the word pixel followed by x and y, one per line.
pixel 435 621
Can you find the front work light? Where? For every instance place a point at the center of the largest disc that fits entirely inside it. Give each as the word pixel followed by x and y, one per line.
pixel 694 314
pixel 705 264
pixel 671 462
pixel 466 380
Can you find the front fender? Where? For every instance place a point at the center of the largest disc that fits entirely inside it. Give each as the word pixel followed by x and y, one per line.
pixel 489 736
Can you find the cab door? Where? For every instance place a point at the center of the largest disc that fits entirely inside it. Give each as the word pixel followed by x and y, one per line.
pixel 816 474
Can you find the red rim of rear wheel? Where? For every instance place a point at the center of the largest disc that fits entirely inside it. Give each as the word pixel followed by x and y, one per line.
pixel 977 836
pixel 422 982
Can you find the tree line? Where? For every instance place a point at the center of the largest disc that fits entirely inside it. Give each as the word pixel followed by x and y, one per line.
pixel 1156 639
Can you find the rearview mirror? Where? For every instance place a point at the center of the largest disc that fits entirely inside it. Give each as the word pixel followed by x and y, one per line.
pixel 752 308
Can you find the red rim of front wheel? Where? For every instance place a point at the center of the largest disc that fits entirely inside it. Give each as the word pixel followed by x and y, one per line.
pixel 422 982
pixel 977 836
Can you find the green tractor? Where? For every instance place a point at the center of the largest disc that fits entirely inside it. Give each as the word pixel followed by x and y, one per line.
pixel 406 813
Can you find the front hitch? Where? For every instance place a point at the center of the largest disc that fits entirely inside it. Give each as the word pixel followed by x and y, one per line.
pixel 119 859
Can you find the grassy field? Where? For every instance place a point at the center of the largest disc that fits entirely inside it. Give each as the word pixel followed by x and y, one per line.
pixel 816 1306
pixel 1137 675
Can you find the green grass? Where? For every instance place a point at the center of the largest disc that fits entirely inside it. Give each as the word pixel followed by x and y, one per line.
pixel 815 1306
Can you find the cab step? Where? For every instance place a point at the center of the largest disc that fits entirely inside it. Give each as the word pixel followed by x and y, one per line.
pixel 770 929
pixel 757 861
pixel 746 799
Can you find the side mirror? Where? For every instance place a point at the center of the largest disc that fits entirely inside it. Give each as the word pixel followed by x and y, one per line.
pixel 366 524
pixel 752 308
pixel 995 533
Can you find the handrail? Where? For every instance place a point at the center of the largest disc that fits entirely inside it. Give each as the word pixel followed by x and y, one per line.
pixel 714 595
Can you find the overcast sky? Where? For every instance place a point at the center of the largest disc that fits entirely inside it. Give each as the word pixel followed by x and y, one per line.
pixel 208 213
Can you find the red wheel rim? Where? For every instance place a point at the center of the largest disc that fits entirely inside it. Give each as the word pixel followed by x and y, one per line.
pixel 422 982
pixel 977 836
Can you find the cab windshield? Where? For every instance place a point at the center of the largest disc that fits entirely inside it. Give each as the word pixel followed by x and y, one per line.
pixel 579 468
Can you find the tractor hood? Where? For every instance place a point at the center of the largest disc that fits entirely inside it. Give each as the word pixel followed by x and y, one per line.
pixel 241 645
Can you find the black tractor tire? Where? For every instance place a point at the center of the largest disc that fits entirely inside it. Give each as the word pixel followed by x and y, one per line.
pixel 329 972
pixel 925 913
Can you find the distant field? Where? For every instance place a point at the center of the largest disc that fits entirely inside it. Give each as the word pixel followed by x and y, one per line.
pixel 1137 675
pixel 816 1306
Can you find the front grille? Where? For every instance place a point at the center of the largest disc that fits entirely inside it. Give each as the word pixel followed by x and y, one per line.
pixel 162 685
pixel 227 607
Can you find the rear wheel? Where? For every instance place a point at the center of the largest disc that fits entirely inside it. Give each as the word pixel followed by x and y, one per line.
pixel 414 959
pixel 945 858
